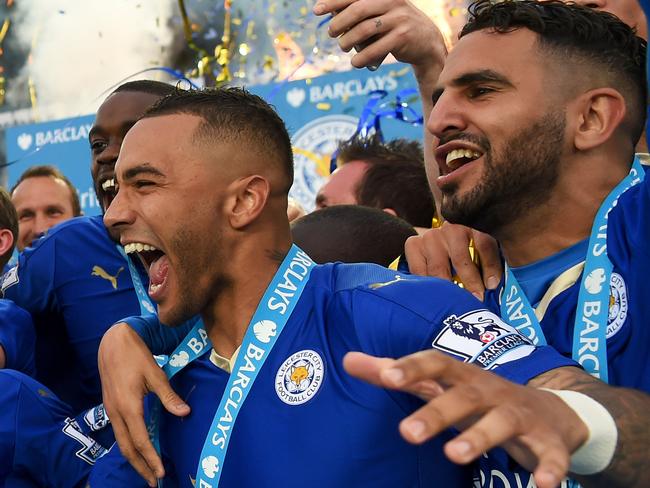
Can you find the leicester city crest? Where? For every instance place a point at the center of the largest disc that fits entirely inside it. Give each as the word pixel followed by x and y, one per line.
pixel 617 304
pixel 313 144
pixel 299 377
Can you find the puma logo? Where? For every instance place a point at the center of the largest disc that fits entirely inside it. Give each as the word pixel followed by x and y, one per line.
pixel 99 271
pixel 374 286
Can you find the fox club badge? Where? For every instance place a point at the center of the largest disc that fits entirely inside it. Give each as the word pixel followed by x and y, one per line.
pixel 299 377
pixel 617 304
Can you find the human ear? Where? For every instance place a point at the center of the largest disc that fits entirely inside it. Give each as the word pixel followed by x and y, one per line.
pixel 248 198
pixel 6 241
pixel 600 113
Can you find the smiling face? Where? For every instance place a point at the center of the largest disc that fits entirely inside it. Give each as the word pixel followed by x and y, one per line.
pixel 41 202
pixel 169 209
pixel 114 118
pixel 499 129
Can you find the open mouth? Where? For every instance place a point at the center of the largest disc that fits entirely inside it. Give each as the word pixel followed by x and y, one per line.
pixel 108 192
pixel 109 185
pixel 459 157
pixel 155 262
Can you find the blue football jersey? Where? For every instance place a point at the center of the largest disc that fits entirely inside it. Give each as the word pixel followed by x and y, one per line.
pixel 75 284
pixel 628 334
pixel 307 422
pixel 41 443
pixel 17 337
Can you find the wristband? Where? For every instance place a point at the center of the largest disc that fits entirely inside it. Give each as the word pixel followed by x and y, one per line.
pixel 598 450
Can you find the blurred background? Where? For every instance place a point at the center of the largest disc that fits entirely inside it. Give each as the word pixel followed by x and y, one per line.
pixel 60 58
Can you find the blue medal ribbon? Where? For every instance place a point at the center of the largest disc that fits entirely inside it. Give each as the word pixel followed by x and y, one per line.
pixel 592 312
pixel 267 323
pixel 146 305
pixel 272 314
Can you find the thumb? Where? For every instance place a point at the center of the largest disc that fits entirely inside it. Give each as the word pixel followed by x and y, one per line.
pixel 159 385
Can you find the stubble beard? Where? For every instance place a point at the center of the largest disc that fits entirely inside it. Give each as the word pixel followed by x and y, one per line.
pixel 194 298
pixel 514 180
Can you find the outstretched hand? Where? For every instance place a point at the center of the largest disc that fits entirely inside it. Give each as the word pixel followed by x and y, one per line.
pixel 536 427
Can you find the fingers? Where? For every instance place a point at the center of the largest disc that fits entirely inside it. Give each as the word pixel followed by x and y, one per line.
pixel 493 411
pixel 436 254
pixel 499 427
pixel 368 368
pixel 427 365
pixel 143 450
pixel 349 14
pixel 158 383
pixel 330 6
pixel 128 450
pixel 458 238
pixel 493 429
pixel 414 252
pixel 488 251
pixel 447 410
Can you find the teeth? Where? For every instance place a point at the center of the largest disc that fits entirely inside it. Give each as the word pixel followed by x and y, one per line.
pixel 132 247
pixel 453 157
pixel 108 184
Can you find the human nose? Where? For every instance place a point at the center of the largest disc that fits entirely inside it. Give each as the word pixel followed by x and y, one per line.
pixel 445 116
pixel 118 215
pixel 41 224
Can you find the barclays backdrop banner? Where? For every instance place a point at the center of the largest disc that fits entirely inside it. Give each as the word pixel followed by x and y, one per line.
pixel 61 143
pixel 320 112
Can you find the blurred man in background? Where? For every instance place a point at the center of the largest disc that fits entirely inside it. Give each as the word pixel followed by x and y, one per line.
pixel 43 197
pixel 389 176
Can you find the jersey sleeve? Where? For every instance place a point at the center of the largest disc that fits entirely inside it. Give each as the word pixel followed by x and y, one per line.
pixel 114 471
pixel 30 283
pixel 413 314
pixel 629 234
pixel 49 447
pixel 160 339
pixel 17 337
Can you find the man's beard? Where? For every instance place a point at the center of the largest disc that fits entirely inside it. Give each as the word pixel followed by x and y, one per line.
pixel 515 180
pixel 193 297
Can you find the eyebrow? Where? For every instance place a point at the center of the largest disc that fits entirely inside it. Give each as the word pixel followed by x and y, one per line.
pixel 480 76
pixel 139 170
pixel 96 129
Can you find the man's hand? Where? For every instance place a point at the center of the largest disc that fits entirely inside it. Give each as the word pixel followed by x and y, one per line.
pixel 438 250
pixel 129 372
pixel 383 27
pixel 536 427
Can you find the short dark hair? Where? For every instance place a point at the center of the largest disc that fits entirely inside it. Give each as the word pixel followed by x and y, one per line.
pixel 8 220
pixel 235 115
pixel 146 86
pixel 47 170
pixel 351 234
pixel 395 178
pixel 582 33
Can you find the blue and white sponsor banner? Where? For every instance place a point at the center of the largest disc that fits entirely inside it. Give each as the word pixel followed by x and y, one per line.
pixel 61 143
pixel 320 112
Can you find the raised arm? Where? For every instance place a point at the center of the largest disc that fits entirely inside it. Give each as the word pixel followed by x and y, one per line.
pixel 396 27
